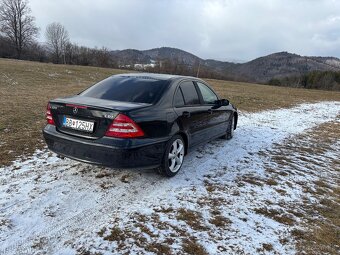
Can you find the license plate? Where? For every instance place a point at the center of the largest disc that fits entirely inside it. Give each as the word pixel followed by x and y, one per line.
pixel 81 125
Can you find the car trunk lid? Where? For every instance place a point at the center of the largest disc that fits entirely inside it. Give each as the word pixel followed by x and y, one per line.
pixel 93 113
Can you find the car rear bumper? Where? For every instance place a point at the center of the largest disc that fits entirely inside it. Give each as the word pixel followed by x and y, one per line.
pixel 107 151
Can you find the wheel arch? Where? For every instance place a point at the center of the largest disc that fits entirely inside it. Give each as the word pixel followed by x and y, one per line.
pixel 236 119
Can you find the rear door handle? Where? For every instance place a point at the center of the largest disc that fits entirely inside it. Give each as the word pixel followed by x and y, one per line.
pixel 186 114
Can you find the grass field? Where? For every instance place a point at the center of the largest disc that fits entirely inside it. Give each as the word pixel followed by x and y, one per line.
pixel 26 87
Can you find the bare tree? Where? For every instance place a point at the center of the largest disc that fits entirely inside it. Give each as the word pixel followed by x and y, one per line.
pixel 102 57
pixel 57 39
pixel 17 24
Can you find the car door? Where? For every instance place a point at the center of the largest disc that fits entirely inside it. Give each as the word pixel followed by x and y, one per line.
pixel 218 117
pixel 192 116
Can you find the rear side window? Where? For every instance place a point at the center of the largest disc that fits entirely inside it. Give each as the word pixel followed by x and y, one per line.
pixel 189 93
pixel 178 99
pixel 209 97
pixel 128 89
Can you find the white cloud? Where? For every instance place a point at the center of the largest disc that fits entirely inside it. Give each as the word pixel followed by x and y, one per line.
pixel 237 29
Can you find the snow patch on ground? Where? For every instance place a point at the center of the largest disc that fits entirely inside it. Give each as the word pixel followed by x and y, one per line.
pixel 57 206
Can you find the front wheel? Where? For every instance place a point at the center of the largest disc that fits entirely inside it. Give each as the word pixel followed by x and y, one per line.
pixel 173 156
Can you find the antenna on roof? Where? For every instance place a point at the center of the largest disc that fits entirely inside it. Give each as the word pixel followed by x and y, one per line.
pixel 198 69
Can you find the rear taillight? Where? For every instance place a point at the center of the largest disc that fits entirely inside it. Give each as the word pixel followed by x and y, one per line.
pixel 49 115
pixel 124 127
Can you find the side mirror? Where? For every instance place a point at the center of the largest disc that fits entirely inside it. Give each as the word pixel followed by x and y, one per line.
pixel 224 102
pixel 221 102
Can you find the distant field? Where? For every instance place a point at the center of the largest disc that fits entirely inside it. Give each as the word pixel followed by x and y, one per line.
pixel 25 88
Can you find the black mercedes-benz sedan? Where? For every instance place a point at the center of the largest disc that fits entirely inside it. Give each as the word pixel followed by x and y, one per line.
pixel 138 121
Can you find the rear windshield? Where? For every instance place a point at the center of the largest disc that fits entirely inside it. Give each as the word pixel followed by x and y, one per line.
pixel 128 89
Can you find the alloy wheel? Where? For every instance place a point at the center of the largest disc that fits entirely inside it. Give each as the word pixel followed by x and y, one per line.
pixel 176 155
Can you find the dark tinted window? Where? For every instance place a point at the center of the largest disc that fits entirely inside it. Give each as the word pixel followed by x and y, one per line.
pixel 128 89
pixel 189 93
pixel 178 99
pixel 209 97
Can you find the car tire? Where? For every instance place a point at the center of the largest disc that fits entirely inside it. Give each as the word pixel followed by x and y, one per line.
pixel 173 156
pixel 230 130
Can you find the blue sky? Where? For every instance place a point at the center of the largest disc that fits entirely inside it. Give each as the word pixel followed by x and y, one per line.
pixel 218 29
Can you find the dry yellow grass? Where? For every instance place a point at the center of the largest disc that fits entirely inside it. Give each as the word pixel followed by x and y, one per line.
pixel 25 88
pixel 256 97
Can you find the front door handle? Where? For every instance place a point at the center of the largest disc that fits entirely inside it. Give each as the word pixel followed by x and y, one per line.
pixel 186 114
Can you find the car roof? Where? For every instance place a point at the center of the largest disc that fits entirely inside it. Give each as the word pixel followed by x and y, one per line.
pixel 156 76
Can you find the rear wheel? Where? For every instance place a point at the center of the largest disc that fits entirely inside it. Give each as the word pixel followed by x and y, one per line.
pixel 230 131
pixel 173 156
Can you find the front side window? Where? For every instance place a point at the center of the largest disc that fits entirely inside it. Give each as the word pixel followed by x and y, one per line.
pixel 209 97
pixel 189 93
pixel 128 89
